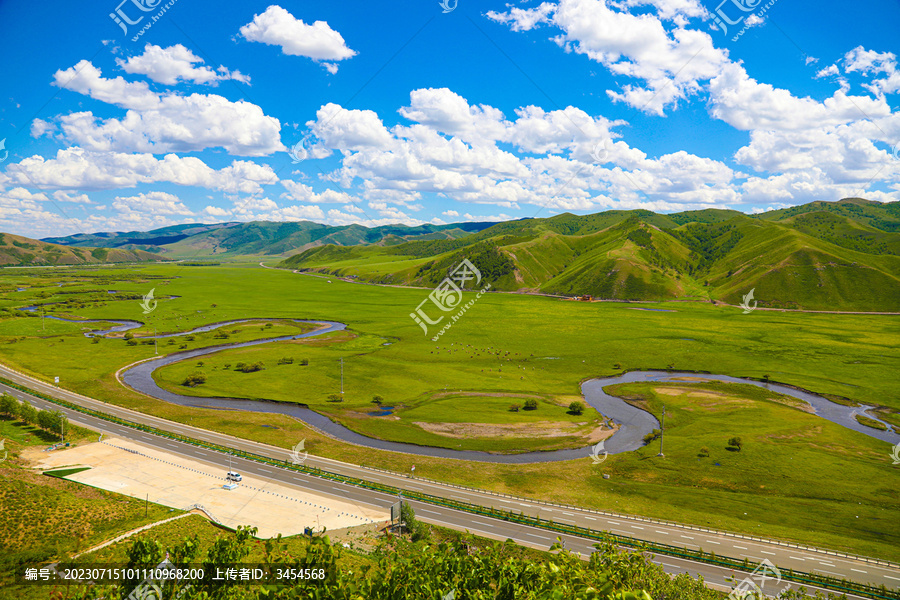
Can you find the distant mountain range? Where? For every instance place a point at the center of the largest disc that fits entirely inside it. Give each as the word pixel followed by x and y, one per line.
pixel 17 250
pixel 262 238
pixel 822 256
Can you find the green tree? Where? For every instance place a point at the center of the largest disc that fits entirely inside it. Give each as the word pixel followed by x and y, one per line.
pixel 736 442
pixel 531 404
pixel 576 408
pixel 416 529
pixel 704 452
pixel 9 405
pixel 194 379
pixel 377 400
pixel 45 420
pixel 28 413
pixel 652 436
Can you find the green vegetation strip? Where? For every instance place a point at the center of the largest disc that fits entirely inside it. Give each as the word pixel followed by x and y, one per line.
pixel 63 473
pixel 831 583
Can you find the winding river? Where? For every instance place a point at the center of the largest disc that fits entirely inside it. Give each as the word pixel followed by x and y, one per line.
pixel 633 422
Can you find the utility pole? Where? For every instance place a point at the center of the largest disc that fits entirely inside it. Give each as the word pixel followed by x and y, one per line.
pixel 662 432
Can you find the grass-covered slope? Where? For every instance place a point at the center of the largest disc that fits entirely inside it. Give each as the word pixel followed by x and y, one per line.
pixel 811 259
pixel 18 250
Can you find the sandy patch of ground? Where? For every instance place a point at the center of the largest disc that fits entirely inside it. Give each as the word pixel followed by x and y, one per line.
pixel 696 394
pixel 129 468
pixel 601 433
pixel 670 391
pixel 485 395
pixel 538 429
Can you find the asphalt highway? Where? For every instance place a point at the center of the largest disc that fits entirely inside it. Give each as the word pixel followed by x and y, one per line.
pixel 721 544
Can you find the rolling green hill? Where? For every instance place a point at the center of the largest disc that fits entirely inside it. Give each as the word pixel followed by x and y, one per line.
pixel 17 250
pixel 822 256
pixel 878 215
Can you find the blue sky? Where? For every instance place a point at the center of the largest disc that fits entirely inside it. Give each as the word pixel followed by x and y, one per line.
pixel 358 112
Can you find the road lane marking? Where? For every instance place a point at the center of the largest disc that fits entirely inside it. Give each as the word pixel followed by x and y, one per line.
pixel 636 527
pixel 480 523
pixel 540 537
pixel 858 571
pixel 797 558
pixel 264 470
pixel 826 564
pixel 894 578
pixel 570 514
pixel 431 512
pixel 613 522
pixel 662 532
pixel 769 553
pixel 590 518
pixel 713 542
pixel 687 537
pixel 739 547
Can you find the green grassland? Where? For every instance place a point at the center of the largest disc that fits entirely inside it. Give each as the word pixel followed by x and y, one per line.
pixel 552 345
pixel 787 454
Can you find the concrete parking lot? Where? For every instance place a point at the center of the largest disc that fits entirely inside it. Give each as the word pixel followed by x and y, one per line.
pixel 132 469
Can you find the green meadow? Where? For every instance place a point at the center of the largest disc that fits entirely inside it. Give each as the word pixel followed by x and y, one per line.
pixel 794 468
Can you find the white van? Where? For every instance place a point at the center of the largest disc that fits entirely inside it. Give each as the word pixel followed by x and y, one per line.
pixel 233 476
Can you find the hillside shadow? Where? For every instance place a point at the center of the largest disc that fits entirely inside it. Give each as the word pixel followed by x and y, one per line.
pixel 25 429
